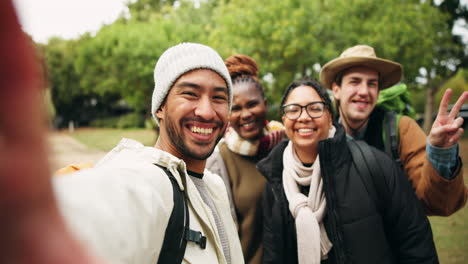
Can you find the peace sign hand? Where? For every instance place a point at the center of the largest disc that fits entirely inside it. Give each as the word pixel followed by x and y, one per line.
pixel 446 129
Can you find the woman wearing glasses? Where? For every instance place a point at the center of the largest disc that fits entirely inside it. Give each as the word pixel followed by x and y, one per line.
pixel 316 208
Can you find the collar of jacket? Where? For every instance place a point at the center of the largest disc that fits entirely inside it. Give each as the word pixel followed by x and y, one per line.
pixel 272 166
pixel 131 150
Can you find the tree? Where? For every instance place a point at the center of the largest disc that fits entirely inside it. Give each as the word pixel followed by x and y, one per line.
pixel 62 78
pixel 72 101
pixel 449 58
pixel 285 37
pixel 294 38
pixel 117 63
pixel 458 83
pixel 289 39
pixel 457 13
pixel 121 57
pixel 145 10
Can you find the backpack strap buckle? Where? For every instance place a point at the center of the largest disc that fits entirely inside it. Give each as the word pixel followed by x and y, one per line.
pixel 195 236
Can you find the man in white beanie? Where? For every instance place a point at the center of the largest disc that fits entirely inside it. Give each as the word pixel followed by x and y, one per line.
pixel 122 207
pixel 432 164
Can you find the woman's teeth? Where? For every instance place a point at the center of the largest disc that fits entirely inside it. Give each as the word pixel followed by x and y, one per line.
pixel 306 130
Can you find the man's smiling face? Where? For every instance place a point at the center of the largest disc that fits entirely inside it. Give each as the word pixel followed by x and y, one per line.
pixel 357 93
pixel 195 114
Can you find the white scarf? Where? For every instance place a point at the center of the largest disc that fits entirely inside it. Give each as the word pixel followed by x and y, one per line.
pixel 273 133
pixel 313 244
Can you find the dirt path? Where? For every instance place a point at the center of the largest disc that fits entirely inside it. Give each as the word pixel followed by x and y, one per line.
pixel 66 150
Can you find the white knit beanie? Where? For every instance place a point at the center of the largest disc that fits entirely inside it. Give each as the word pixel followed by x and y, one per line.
pixel 180 59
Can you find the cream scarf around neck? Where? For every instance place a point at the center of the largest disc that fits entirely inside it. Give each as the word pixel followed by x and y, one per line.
pixel 313 244
pixel 273 134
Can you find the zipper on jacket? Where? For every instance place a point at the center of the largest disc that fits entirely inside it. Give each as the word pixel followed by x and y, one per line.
pixel 328 181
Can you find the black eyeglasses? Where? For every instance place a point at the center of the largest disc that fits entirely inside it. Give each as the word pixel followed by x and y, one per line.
pixel 294 111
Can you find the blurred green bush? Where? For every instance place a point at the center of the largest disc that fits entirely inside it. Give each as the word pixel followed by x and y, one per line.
pixel 130 120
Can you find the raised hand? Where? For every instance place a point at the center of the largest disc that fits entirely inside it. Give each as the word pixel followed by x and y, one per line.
pixel 31 227
pixel 447 128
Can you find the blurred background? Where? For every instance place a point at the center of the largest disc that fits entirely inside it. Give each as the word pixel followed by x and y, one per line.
pixel 98 59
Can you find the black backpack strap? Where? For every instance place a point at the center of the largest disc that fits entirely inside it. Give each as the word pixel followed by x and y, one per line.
pixel 178 230
pixel 368 168
pixel 391 136
pixel 173 248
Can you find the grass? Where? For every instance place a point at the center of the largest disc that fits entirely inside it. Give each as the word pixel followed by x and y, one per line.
pixel 450 233
pixel 451 236
pixel 105 139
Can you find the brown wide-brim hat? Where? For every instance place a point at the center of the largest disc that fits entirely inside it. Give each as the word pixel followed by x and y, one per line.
pixel 362 56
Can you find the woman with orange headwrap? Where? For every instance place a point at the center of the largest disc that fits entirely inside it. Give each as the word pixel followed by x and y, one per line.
pixel 249 138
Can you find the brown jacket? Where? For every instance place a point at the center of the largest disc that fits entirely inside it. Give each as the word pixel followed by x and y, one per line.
pixel 440 196
pixel 245 186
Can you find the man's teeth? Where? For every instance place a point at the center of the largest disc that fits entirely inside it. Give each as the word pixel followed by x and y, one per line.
pixel 201 130
pixel 248 124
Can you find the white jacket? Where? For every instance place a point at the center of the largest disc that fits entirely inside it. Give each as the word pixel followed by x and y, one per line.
pixel 121 207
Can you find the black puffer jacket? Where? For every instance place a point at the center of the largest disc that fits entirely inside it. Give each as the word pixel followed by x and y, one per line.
pixel 399 232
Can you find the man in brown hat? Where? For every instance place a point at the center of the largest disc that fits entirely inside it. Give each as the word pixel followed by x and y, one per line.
pixel 432 164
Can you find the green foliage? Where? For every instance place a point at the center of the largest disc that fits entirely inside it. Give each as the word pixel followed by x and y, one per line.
pixel 282 36
pixel 418 99
pixel 72 100
pixel 121 57
pixel 106 122
pixel 458 84
pixel 289 39
pixel 150 123
pixel 131 120
pixel 62 78
pixel 456 13
pixel 144 10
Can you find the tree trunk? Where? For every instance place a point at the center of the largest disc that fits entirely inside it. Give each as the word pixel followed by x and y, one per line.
pixel 433 88
pixel 429 108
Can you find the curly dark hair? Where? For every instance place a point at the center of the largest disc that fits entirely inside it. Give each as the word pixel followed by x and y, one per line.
pixel 243 68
